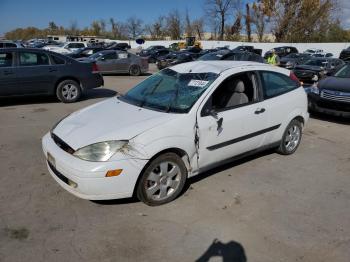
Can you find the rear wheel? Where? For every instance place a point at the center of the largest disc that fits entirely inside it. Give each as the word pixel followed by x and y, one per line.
pixel 68 91
pixel 291 138
pixel 135 70
pixel 163 180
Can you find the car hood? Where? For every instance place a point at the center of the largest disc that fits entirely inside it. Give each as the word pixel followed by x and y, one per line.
pixel 335 83
pixel 111 119
pixel 309 68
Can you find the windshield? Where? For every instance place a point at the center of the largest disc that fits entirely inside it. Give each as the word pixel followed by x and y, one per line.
pixel 343 72
pixel 169 91
pixel 316 62
pixel 61 45
pixel 310 51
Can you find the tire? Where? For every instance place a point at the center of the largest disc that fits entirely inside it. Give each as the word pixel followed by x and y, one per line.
pixel 162 181
pixel 68 91
pixel 291 138
pixel 135 70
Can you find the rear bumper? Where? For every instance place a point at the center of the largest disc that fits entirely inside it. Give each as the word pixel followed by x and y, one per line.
pixel 92 81
pixel 335 108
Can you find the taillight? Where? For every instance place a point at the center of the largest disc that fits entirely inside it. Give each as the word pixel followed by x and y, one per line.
pixel 94 68
pixel 293 77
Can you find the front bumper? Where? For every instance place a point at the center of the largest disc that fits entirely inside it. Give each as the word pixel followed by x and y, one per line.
pixel 89 178
pixel 321 105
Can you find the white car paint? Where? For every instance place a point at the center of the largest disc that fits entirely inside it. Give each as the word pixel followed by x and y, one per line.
pixel 67 48
pixel 150 132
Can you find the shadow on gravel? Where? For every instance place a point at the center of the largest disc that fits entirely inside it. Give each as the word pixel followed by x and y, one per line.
pixel 116 201
pixel 223 167
pixel 26 100
pixel 330 118
pixel 229 252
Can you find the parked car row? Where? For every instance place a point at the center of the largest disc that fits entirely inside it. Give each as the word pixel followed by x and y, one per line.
pixel 25 71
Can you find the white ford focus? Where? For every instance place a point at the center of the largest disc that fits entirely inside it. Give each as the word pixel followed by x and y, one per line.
pixel 174 125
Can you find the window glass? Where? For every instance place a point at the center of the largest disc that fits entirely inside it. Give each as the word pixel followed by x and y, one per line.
pixel 275 84
pixel 1 45
pixel 79 45
pixel 58 61
pixel 30 59
pixel 170 91
pixel 10 45
pixel 6 59
pixel 235 91
pixel 110 56
pixel 343 72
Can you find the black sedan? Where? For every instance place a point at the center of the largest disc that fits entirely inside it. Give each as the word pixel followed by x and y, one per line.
pixel 291 60
pixel 232 55
pixel 153 54
pixel 174 58
pixel 332 94
pixel 39 72
pixel 315 69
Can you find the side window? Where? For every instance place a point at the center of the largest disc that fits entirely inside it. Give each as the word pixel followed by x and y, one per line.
pixel 275 84
pixel 6 59
pixel 10 45
pixel 236 90
pixel 110 56
pixel 2 45
pixel 57 60
pixel 32 59
pixel 79 45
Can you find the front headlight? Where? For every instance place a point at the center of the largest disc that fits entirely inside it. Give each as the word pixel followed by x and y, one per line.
pixel 100 152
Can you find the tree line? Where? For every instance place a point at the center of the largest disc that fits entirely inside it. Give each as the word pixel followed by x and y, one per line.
pixel 286 20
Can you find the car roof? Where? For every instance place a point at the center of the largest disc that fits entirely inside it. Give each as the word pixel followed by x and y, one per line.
pixel 214 66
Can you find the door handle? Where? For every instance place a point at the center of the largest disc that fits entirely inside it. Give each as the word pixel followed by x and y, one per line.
pixel 259 111
pixel 8 73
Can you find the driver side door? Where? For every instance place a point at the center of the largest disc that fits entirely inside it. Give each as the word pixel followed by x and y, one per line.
pixel 227 131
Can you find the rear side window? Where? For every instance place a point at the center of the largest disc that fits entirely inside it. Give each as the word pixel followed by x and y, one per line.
pixel 110 56
pixel 10 45
pixel 275 84
pixel 6 59
pixel 57 60
pixel 33 59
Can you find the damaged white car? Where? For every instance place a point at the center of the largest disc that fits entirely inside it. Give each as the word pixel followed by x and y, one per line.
pixel 174 125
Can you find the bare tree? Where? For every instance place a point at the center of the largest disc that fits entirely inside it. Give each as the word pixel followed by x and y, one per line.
pixel 219 10
pixel 188 24
pixel 198 27
pixel 156 29
pixel 96 28
pixel 259 19
pixel 134 26
pixel 103 26
pixel 73 28
pixel 173 21
pixel 248 23
pixel 114 28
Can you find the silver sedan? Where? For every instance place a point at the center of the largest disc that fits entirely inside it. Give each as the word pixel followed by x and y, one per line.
pixel 112 61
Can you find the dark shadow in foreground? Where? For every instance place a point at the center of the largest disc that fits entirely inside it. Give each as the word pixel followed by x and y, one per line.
pixel 230 252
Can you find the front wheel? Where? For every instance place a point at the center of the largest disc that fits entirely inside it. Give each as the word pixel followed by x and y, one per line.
pixel 291 138
pixel 163 180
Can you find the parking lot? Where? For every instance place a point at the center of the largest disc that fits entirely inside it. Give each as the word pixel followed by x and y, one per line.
pixel 266 207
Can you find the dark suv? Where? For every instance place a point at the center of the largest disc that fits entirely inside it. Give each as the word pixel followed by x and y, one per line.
pixel 40 72
pixel 345 54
